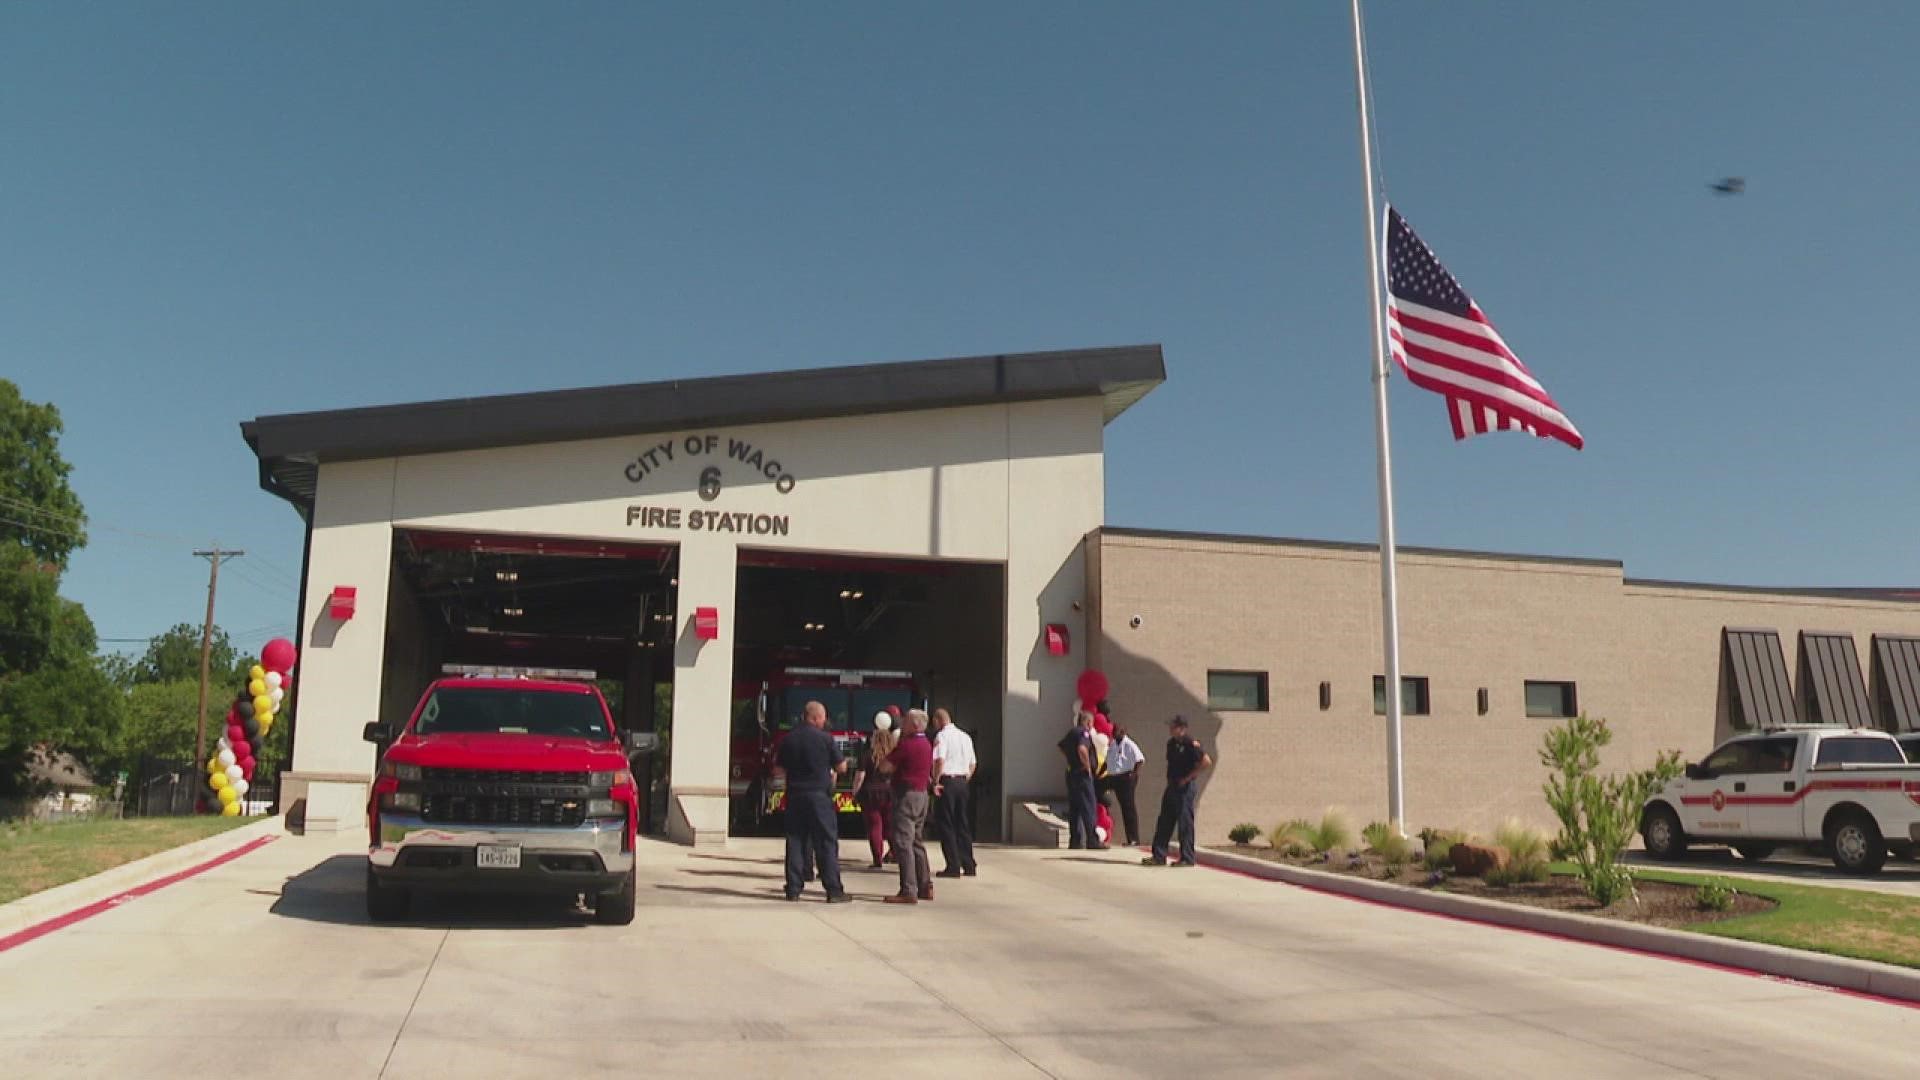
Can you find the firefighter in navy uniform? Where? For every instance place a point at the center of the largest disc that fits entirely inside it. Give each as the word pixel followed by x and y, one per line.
pixel 1185 760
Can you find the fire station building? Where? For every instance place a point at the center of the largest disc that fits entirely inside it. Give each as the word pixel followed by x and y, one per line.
pixel 940 525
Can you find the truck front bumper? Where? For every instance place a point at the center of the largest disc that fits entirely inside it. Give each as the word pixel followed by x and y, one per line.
pixel 590 857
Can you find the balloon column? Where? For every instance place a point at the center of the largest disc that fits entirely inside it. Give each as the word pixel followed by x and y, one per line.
pixel 249 720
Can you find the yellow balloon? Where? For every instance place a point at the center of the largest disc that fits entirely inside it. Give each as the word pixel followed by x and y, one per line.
pixel 258 687
pixel 219 781
pixel 262 704
pixel 257 672
pixel 228 796
pixel 231 809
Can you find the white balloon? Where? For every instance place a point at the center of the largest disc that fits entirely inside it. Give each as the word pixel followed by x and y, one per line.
pixel 234 773
pixel 224 744
pixel 241 785
pixel 277 695
pixel 274 679
pixel 882 720
pixel 226 756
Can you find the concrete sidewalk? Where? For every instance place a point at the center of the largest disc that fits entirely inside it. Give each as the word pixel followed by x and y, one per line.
pixel 1049 964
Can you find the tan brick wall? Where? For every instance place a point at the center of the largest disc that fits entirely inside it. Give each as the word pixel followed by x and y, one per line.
pixel 1644 657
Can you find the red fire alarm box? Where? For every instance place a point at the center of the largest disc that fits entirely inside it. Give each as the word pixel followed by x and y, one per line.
pixel 706 623
pixel 1058 642
pixel 340 604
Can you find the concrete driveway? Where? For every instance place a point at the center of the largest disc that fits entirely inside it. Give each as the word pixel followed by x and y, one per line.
pixel 1049 964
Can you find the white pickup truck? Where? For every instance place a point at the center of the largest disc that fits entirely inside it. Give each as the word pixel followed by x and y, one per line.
pixel 1850 792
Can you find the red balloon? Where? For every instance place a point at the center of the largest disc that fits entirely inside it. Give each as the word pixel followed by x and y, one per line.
pixel 236 734
pixel 246 770
pixel 1101 724
pixel 278 656
pixel 246 763
pixel 1092 687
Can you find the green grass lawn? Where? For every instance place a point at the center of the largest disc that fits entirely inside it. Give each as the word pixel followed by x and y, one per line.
pixel 1840 921
pixel 36 856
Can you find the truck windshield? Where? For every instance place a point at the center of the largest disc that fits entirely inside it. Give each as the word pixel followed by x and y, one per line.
pixel 833 697
pixel 869 700
pixel 470 711
pixel 1860 752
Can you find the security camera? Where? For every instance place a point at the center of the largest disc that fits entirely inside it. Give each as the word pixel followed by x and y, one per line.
pixel 1135 622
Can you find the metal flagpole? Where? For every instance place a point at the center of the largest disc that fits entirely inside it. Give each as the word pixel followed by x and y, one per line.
pixel 1389 599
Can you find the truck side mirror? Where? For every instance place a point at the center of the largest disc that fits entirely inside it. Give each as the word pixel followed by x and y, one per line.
pixel 642 742
pixel 377 732
pixel 1696 771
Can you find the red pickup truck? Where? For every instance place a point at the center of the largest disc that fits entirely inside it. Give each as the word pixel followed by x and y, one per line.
pixel 504 784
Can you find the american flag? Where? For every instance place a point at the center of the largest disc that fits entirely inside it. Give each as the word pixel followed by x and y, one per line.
pixel 1445 344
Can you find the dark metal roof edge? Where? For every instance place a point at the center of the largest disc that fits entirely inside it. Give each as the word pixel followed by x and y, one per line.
pixel 814 393
pixel 1889 596
pixel 1348 545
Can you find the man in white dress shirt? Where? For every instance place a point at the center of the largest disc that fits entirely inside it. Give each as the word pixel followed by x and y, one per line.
pixel 953 768
pixel 1123 779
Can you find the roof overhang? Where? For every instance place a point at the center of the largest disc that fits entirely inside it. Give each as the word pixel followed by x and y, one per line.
pixel 292 447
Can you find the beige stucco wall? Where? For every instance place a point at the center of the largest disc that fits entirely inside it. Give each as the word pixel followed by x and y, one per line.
pixel 1019 485
pixel 1644 657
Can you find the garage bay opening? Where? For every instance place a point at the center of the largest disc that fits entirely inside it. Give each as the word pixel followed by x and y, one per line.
pixel 859 636
pixel 566 608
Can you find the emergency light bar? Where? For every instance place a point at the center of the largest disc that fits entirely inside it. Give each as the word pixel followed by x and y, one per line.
pixel 849 676
pixel 491 671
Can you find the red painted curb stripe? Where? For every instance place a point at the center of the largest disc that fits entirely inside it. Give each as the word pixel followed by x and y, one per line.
pixel 60 922
pixel 1710 965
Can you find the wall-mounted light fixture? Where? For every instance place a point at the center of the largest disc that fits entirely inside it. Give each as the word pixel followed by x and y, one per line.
pixel 1059 642
pixel 706 623
pixel 1481 698
pixel 1326 695
pixel 341 603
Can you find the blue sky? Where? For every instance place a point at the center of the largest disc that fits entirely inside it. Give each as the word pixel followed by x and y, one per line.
pixel 212 212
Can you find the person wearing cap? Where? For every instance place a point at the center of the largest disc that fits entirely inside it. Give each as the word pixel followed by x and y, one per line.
pixel 1185 760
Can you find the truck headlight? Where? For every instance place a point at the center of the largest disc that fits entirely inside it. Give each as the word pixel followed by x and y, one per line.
pixel 602 780
pixel 398 771
pixel 400 800
pixel 604 808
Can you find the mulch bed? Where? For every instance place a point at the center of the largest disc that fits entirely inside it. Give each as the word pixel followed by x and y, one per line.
pixel 1660 903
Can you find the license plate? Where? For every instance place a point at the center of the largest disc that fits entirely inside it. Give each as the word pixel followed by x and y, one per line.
pixel 496 857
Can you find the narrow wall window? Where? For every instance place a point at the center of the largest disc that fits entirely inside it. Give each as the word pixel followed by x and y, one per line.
pixel 1552 699
pixel 1413 695
pixel 1237 691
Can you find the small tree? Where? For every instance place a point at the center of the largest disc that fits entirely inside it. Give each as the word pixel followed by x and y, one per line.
pixel 1598 815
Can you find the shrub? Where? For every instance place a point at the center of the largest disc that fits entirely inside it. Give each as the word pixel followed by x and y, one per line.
pixel 1385 841
pixel 1598 817
pixel 1716 895
pixel 1526 852
pixel 1292 837
pixel 1519 873
pixel 1332 832
pixel 1243 833
pixel 1439 847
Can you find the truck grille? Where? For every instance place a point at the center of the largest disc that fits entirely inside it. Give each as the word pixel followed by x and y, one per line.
pixel 502 810
pixel 503 797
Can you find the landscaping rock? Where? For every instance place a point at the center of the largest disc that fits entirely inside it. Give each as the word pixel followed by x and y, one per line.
pixel 1475 860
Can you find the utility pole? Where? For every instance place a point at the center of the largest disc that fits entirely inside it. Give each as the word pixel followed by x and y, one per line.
pixel 214 558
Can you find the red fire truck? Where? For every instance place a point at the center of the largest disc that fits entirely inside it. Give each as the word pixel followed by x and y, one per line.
pixel 765 710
